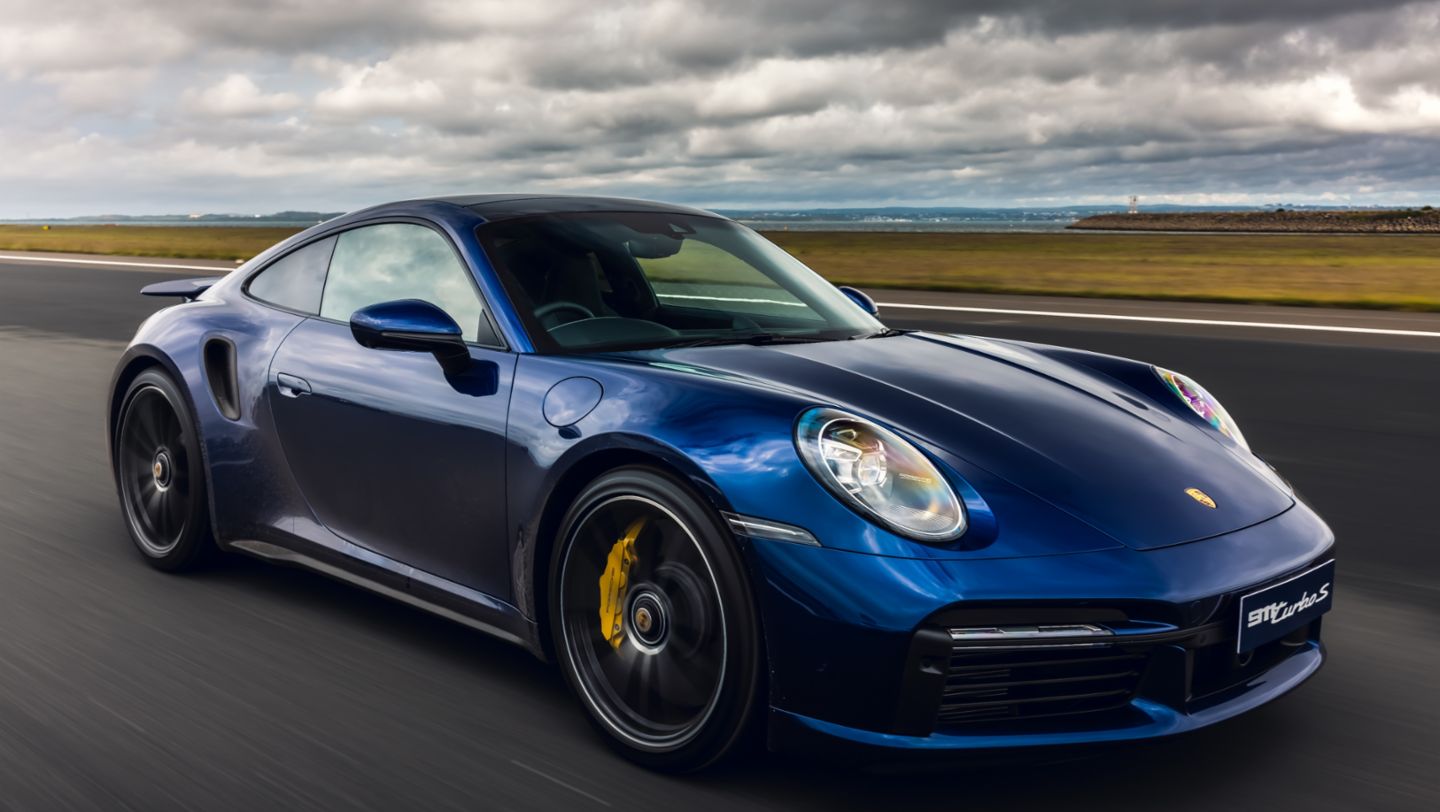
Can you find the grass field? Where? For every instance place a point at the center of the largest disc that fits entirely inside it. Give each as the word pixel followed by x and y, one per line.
pixel 1372 270
pixel 1400 272
pixel 190 242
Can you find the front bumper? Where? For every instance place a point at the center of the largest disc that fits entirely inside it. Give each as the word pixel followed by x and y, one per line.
pixel 861 655
pixel 1150 719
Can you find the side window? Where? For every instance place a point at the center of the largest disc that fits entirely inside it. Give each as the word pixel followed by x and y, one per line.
pixel 296 279
pixel 393 261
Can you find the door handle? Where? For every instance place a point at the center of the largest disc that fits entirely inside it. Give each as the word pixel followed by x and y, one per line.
pixel 291 386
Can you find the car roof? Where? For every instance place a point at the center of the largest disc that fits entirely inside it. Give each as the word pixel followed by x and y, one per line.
pixel 495 207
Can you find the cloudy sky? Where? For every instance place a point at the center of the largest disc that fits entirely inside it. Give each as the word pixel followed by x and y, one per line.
pixel 146 106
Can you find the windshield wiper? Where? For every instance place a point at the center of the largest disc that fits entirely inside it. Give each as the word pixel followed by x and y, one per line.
pixel 754 339
pixel 888 332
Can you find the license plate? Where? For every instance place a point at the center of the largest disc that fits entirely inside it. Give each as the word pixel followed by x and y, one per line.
pixel 1277 610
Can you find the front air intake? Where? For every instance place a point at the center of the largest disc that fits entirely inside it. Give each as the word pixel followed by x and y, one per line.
pixel 1012 685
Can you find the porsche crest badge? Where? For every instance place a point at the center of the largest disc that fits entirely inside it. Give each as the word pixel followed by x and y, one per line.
pixel 1201 497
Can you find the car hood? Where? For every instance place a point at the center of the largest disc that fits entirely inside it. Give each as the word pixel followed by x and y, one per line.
pixel 1087 444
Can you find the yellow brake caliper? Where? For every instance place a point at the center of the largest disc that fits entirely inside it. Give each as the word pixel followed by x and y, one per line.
pixel 613 583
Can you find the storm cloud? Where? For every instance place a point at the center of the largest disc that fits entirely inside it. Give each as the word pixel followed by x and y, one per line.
pixel 259 105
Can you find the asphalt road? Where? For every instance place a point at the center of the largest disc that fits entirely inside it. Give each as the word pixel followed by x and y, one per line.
pixel 254 686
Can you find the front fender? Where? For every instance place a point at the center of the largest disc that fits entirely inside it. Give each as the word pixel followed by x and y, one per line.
pixel 695 430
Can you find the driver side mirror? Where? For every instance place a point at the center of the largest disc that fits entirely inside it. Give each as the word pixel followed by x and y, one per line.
pixel 415 325
pixel 860 298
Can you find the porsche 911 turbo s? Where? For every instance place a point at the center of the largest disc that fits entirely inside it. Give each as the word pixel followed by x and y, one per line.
pixel 643 442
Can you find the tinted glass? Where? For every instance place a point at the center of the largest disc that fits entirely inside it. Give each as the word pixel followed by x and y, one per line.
pixel 296 279
pixel 401 261
pixel 606 281
pixel 703 275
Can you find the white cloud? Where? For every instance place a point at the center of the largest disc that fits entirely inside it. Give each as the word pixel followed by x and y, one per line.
pixel 810 101
pixel 237 96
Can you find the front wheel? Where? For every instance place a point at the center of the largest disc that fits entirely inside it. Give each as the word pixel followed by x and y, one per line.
pixel 653 621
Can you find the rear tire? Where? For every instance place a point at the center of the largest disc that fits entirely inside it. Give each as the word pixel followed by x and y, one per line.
pixel 668 666
pixel 159 473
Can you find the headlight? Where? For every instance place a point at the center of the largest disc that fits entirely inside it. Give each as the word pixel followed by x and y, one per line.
pixel 880 474
pixel 1203 403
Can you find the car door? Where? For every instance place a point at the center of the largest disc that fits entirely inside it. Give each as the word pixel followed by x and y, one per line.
pixel 391 453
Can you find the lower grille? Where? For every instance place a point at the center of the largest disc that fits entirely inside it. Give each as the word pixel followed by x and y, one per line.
pixel 987 686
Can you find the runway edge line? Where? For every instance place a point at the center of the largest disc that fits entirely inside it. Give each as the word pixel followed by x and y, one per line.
pixel 1272 325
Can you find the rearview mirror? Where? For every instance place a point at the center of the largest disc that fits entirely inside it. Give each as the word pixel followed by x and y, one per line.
pixel 415 325
pixel 860 298
pixel 654 246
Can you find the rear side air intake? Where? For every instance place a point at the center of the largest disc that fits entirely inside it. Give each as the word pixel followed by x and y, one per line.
pixel 220 376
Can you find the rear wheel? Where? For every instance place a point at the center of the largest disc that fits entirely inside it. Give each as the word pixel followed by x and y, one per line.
pixel 159 476
pixel 653 621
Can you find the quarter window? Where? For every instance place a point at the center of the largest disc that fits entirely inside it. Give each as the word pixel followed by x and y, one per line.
pixel 296 279
pixel 393 261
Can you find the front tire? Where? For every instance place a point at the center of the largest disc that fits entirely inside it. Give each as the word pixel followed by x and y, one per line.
pixel 653 621
pixel 159 475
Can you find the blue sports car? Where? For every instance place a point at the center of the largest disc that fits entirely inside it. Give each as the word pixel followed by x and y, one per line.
pixel 643 442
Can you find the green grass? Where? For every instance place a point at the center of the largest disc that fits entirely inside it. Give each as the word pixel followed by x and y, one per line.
pixel 1399 272
pixel 190 242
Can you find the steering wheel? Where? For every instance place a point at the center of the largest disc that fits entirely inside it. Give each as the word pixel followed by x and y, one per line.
pixel 560 305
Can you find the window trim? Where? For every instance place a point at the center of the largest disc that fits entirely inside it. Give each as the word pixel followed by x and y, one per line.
pixel 486 310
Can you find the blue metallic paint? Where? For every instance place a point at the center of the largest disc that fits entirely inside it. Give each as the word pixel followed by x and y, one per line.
pixel 188 289
pixel 570 400
pixel 410 316
pixel 861 298
pixel 874 603
pixel 412 471
pixel 1071 465
pixel 419 326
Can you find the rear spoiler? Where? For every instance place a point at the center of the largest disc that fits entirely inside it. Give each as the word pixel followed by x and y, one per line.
pixel 187 289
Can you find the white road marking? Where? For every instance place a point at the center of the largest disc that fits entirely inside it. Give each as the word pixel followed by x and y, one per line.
pixel 115 263
pixel 550 777
pixel 1274 325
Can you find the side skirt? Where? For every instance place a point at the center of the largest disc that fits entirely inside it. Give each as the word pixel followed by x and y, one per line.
pixel 420 589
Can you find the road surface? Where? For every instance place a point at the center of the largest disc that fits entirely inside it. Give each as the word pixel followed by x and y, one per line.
pixel 254 686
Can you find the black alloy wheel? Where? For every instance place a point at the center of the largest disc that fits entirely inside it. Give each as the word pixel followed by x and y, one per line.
pixel 654 622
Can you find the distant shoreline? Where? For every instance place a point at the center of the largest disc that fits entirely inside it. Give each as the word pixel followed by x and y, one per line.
pixel 1392 221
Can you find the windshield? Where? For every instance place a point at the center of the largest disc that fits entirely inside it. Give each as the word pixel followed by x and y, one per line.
pixel 592 281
